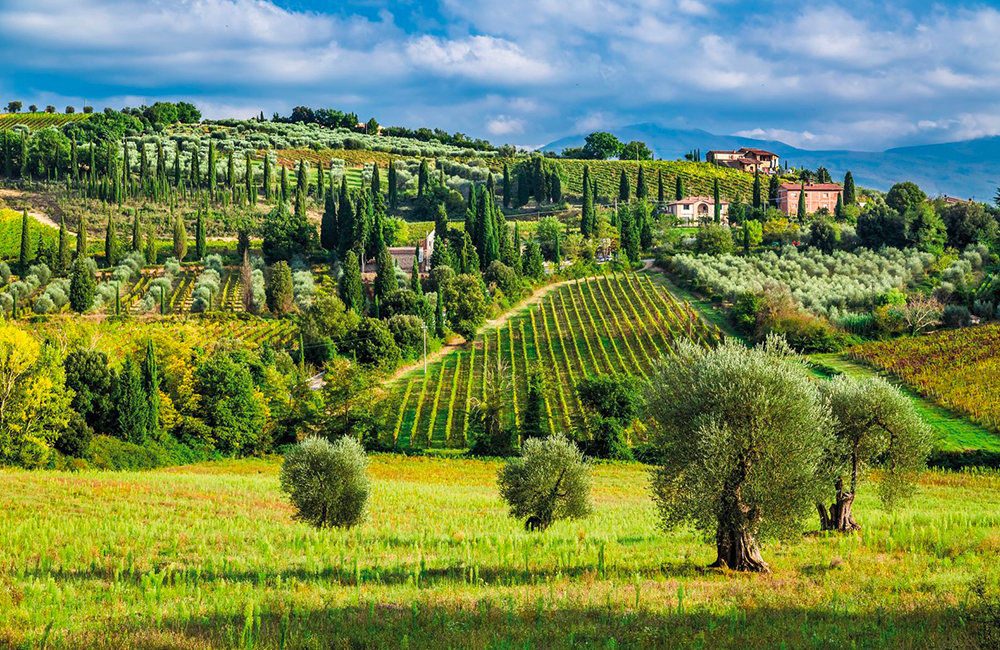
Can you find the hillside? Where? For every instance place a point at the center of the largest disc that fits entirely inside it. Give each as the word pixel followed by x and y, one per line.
pixel 38 120
pixel 962 169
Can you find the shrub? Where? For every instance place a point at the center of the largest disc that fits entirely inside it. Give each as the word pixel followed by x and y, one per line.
pixel 326 482
pixel 374 345
pixel 407 331
pixel 504 278
pixel 550 481
pixel 956 316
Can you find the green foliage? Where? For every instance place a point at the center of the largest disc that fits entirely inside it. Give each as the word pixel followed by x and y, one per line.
pixel 532 264
pixel 131 404
pixel 465 304
pixel 280 293
pixel 286 236
pixel 550 481
pixel 385 278
pixel 82 286
pixel 231 405
pixel 373 345
pixel 350 286
pixel 326 482
pixel 712 239
pixel 709 421
pixel 903 197
pixel 180 239
pixel 601 145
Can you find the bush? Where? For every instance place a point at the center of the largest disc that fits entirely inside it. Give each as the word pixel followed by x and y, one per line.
pixel 956 316
pixel 374 345
pixel 504 278
pixel 407 331
pixel 326 482
pixel 550 481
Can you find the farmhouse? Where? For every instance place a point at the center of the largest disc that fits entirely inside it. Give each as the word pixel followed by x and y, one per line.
pixel 818 196
pixel 693 209
pixel 746 159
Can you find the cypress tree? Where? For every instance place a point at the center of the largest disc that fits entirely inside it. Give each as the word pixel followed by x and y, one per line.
pixel 161 162
pixel 716 199
pixel 24 156
pixel 555 186
pixel 150 251
pixel 328 230
pixel 850 192
pixel 280 292
pixel 489 248
pixel 65 256
pixel 587 210
pixel 268 191
pixel 415 273
pixel 645 232
pixel 376 181
pixel 640 185
pixel 177 165
pixel 250 186
pixel 363 217
pixel 8 163
pixel 195 165
pixel 301 179
pixel 151 386
pixel 801 213
pixel 422 179
pixel 74 163
pixel 82 286
pixel 246 278
pixel 136 233
pixel 439 315
pixel 180 239
pixel 143 161
pixel 679 188
pixel 659 186
pixel 283 192
pixel 320 183
pixel 345 220
pixel 623 190
pixel 393 189
pixel 350 287
pixel 81 236
pixel 531 423
pixel 557 258
pixel 24 258
pixel 110 243
pixel 385 276
pixel 440 223
pixel 772 189
pixel 211 168
pixel 838 210
pixel 506 186
pixel 300 203
pixel 491 186
pixel 757 203
pixel 200 245
pixel 131 405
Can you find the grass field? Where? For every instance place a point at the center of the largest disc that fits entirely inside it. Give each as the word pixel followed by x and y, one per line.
pixel 207 556
pixel 616 324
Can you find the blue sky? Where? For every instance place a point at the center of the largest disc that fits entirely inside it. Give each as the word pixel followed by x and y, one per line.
pixel 861 75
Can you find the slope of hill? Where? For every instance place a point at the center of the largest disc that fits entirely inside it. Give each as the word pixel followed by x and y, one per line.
pixel 38 120
pixel 963 169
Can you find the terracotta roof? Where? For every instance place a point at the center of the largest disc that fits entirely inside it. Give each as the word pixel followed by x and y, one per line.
pixel 814 187
pixel 759 152
pixel 698 199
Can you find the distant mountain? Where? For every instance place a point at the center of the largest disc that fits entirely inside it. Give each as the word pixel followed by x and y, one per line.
pixel 969 169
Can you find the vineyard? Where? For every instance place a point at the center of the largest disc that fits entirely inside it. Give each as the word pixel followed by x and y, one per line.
pixel 699 178
pixel 38 120
pixel 959 369
pixel 613 324
pixel 10 233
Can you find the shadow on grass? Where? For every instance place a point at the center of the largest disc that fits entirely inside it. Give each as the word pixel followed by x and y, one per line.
pixel 506 622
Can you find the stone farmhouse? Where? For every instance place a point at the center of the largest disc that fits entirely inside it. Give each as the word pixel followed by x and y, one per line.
pixel 746 159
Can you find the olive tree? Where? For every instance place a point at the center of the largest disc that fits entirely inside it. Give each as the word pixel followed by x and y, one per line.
pixel 742 434
pixel 873 422
pixel 326 482
pixel 550 481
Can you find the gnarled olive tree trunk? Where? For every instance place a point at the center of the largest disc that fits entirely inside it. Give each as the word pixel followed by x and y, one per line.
pixel 735 542
pixel 840 516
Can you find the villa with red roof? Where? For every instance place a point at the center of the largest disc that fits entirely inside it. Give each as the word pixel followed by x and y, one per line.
pixel 818 196
pixel 692 210
pixel 746 159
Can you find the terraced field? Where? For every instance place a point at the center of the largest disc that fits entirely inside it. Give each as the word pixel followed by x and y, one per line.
pixel 613 324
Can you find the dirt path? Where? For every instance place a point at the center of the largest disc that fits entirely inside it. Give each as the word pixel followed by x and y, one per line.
pixel 12 193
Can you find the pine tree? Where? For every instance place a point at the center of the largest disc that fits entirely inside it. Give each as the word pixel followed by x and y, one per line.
pixel 717 201
pixel 151 386
pixel 200 245
pixel 757 203
pixel 850 192
pixel 385 276
pixel 801 213
pixel 65 256
pixel 506 186
pixel 439 315
pixel 678 188
pixel 81 236
pixel 587 211
pixel 180 239
pixel 422 179
pixel 640 185
pixel 350 287
pixel 136 233
pixel 415 273
pixel 82 286
pixel 393 186
pixel 24 258
pixel 623 189
pixel 111 243
pixel 328 230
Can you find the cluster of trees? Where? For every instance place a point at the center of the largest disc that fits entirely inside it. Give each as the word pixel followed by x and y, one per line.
pixel 631 220
pixel 158 113
pixel 602 145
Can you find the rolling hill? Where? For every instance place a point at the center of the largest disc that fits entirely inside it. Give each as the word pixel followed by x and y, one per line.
pixel 966 169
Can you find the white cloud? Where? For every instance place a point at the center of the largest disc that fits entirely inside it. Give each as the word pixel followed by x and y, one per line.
pixel 483 58
pixel 505 125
